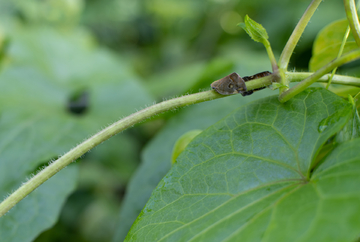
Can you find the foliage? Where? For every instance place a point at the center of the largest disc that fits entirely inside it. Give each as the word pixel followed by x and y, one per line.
pixel 226 187
pixel 259 170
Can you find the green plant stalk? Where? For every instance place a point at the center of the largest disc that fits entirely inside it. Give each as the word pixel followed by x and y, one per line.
pixel 138 117
pixel 337 79
pixel 271 56
pixel 346 35
pixel 108 132
pixel 296 34
pixel 98 138
pixel 351 14
pixel 353 55
pixel 259 82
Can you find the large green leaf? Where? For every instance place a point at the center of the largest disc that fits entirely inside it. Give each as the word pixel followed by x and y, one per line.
pixel 156 157
pixel 248 178
pixel 46 69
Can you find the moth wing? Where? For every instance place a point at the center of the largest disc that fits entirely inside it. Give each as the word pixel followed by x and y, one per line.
pixel 230 84
pixel 240 85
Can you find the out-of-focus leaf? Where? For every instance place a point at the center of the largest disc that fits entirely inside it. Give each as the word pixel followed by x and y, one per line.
pixel 215 69
pixel 246 61
pixel 41 208
pixel 182 142
pixel 59 12
pixel 330 35
pixel 328 54
pixel 327 44
pixel 46 69
pixel 242 177
pixel 189 78
pixel 175 82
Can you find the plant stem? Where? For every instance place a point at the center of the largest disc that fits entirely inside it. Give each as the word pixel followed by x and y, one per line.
pixel 346 35
pixel 111 130
pixel 353 55
pixel 351 14
pixel 137 117
pixel 296 34
pixel 259 82
pixel 271 56
pixel 98 138
pixel 337 79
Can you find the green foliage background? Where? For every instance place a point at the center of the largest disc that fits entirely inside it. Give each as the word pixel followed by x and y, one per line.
pixel 69 68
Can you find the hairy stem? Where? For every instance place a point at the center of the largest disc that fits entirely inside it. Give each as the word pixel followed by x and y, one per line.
pixel 346 35
pixel 139 116
pixel 296 34
pixel 351 14
pixel 98 138
pixel 271 56
pixel 111 130
pixel 336 79
pixel 353 55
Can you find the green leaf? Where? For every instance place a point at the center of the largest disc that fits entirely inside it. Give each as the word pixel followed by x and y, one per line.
pixel 241 179
pixel 157 154
pixel 175 81
pixel 255 30
pixel 47 68
pixel 189 77
pixel 351 129
pixel 331 34
pixel 182 142
pixel 328 54
pixel 327 44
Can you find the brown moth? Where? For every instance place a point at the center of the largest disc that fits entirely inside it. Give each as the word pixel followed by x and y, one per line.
pixel 233 84
pixel 230 84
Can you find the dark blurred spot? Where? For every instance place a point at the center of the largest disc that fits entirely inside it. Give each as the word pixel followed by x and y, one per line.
pixel 352 67
pixel 120 192
pixel 301 59
pixel 79 103
pixel 146 31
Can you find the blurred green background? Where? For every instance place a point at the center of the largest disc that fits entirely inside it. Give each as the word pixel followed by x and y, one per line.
pixel 76 66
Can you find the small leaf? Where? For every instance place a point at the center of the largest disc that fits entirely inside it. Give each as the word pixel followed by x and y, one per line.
pixel 328 54
pixel 255 30
pixel 330 35
pixel 327 44
pixel 182 142
pixel 276 85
